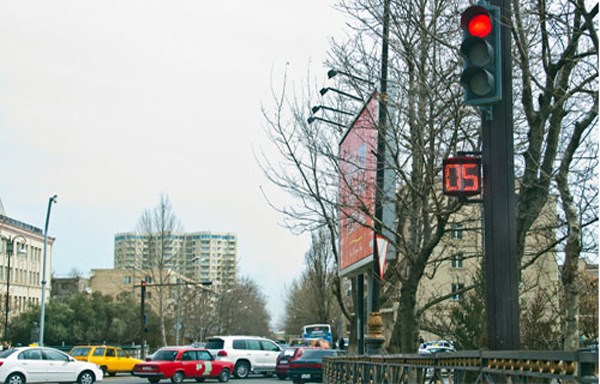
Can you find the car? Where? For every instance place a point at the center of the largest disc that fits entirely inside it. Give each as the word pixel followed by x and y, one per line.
pixel 111 360
pixel 285 358
pixel 43 364
pixel 438 346
pixel 310 342
pixel 309 367
pixel 180 363
pixel 247 353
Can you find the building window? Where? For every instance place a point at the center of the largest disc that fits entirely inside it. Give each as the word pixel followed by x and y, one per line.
pixel 457 260
pixel 456 231
pixel 456 294
pixel 127 280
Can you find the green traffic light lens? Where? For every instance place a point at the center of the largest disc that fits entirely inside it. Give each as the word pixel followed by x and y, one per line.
pixel 481 83
pixel 480 25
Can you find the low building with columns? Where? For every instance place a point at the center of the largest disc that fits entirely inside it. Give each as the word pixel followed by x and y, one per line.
pixel 22 247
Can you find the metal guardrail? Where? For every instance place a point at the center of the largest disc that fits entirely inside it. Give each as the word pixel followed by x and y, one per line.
pixel 481 367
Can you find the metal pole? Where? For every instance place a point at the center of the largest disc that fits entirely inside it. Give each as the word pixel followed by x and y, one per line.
pixel 43 303
pixel 360 313
pixel 9 250
pixel 501 264
pixel 381 144
pixel 142 319
pixel 375 337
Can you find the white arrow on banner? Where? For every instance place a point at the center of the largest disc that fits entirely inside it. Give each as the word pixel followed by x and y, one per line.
pixel 382 250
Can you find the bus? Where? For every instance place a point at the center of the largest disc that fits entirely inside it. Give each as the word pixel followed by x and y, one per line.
pixel 318 331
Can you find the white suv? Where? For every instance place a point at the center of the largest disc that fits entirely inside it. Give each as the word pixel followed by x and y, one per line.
pixel 247 353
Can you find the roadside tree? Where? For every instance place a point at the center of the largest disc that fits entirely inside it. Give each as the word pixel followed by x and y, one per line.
pixel 555 47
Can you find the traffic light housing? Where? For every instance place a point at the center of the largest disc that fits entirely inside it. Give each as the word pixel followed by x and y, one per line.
pixel 482 55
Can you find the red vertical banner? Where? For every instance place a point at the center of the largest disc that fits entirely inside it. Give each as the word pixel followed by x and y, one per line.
pixel 358 172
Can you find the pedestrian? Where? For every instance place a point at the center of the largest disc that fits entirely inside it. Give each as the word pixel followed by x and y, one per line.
pixel 421 340
pixel 5 345
pixel 341 343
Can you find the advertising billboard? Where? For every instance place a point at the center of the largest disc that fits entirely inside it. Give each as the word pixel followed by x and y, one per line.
pixel 358 172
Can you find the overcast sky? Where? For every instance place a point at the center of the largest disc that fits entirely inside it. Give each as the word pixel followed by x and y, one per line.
pixel 110 103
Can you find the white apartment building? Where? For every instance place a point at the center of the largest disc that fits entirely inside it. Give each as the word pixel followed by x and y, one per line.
pixel 25 287
pixel 201 256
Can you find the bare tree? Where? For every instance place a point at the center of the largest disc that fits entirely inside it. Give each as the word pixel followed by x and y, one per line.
pixel 556 48
pixel 428 122
pixel 310 298
pixel 557 54
pixel 159 229
pixel 237 304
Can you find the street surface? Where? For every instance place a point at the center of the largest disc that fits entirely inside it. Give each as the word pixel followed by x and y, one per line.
pixel 252 379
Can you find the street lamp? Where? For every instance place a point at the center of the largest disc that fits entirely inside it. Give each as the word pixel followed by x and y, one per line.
pixel 43 303
pixel 10 246
pixel 334 72
pixel 323 91
pixel 316 109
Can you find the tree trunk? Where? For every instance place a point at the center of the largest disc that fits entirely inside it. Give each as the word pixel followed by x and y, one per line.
pixel 404 334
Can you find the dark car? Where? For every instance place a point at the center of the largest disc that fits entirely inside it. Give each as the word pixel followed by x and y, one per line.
pixel 180 363
pixel 309 367
pixel 285 358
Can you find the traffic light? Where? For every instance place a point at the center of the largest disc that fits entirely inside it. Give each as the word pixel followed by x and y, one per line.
pixel 482 56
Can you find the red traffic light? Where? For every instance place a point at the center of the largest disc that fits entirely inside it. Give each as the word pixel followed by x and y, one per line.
pixel 481 50
pixel 477 21
pixel 480 25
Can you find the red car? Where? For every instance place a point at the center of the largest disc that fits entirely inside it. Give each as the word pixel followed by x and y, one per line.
pixel 179 363
pixel 285 358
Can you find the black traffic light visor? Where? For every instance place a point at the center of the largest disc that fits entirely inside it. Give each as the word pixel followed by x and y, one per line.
pixel 469 13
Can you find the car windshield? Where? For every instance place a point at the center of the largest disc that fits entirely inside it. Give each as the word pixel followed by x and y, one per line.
pixel 80 351
pixel 165 355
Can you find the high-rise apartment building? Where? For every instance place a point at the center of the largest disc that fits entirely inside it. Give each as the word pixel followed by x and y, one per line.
pixel 202 256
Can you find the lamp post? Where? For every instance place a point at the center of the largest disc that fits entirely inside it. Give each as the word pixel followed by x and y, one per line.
pixel 323 91
pixel 10 247
pixel 43 302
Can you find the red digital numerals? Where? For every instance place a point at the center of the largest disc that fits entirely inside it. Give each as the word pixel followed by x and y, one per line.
pixel 462 176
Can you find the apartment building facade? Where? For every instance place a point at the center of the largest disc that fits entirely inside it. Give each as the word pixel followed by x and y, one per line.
pixel 23 244
pixel 200 256
pixel 457 261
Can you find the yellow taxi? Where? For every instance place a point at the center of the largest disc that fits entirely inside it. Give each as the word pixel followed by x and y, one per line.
pixel 111 360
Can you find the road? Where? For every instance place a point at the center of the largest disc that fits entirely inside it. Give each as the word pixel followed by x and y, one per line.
pixel 253 379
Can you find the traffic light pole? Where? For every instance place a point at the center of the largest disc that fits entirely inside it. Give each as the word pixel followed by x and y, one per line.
pixel 501 264
pixel 143 319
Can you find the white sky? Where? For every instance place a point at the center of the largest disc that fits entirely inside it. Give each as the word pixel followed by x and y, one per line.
pixel 111 103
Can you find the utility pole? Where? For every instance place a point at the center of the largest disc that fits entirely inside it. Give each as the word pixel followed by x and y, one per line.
pixel 142 319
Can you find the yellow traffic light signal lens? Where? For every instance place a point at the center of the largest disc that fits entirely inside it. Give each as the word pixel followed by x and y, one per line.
pixel 480 53
pixel 480 25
